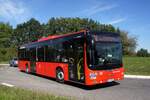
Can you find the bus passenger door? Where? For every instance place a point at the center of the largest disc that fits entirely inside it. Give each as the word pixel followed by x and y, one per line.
pixel 33 60
pixel 74 52
pixel 76 67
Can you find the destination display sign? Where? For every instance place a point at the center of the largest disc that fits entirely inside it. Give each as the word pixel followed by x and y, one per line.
pixel 104 38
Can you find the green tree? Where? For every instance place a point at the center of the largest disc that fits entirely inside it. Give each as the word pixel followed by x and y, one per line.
pixel 143 53
pixel 6 51
pixel 5 34
pixel 129 43
pixel 63 25
pixel 27 32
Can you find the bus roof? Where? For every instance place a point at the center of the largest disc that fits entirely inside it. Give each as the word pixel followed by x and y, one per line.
pixel 49 38
pixel 104 33
pixel 59 36
pixel 63 35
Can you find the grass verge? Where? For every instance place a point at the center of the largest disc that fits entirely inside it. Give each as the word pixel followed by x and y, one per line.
pixel 7 93
pixel 3 62
pixel 137 65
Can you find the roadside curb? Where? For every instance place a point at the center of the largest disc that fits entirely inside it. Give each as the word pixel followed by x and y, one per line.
pixel 4 64
pixel 137 76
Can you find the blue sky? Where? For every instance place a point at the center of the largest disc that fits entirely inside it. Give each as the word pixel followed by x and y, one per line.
pixel 129 15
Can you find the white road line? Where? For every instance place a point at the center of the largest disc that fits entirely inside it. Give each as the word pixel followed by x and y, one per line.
pixel 6 84
pixel 137 76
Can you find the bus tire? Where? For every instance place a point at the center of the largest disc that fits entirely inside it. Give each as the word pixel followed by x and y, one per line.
pixel 59 75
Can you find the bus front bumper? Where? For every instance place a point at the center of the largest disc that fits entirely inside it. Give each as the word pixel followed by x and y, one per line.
pixel 104 76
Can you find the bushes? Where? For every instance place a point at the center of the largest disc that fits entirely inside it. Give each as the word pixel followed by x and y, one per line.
pixel 7 53
pixel 143 53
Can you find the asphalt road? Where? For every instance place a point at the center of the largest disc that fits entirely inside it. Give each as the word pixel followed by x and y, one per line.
pixel 128 89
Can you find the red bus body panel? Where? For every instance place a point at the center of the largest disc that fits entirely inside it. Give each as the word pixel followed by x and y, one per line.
pixel 22 65
pixel 45 68
pixel 49 69
pixel 104 76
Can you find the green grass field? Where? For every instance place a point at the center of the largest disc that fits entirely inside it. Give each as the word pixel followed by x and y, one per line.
pixel 7 93
pixel 137 65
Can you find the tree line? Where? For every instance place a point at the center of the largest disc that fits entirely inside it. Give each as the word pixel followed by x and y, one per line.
pixel 143 53
pixel 32 30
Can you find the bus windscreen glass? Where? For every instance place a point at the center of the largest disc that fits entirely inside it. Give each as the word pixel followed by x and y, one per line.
pixel 106 52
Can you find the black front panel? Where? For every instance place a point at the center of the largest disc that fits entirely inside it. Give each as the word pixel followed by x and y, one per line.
pixel 104 51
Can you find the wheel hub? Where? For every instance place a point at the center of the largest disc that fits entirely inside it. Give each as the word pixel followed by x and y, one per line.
pixel 60 75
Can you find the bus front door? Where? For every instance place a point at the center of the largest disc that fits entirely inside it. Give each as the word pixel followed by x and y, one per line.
pixel 76 65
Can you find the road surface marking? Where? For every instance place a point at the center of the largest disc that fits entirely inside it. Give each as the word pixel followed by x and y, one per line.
pixel 137 76
pixel 6 84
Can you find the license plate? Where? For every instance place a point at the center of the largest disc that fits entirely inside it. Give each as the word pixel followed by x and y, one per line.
pixel 110 80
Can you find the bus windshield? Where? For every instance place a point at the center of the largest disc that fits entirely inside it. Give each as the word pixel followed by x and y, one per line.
pixel 105 54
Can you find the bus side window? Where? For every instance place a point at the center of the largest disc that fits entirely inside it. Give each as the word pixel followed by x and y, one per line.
pixel 40 54
pixel 22 54
pixel 49 53
pixel 32 54
pixel 27 54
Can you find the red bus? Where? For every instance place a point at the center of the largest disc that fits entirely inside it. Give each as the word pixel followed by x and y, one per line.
pixel 85 57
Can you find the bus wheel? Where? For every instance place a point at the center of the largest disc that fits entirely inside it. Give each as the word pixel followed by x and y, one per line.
pixel 59 75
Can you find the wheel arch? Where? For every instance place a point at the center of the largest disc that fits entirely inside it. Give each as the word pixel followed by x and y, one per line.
pixel 64 68
pixel 56 71
pixel 58 67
